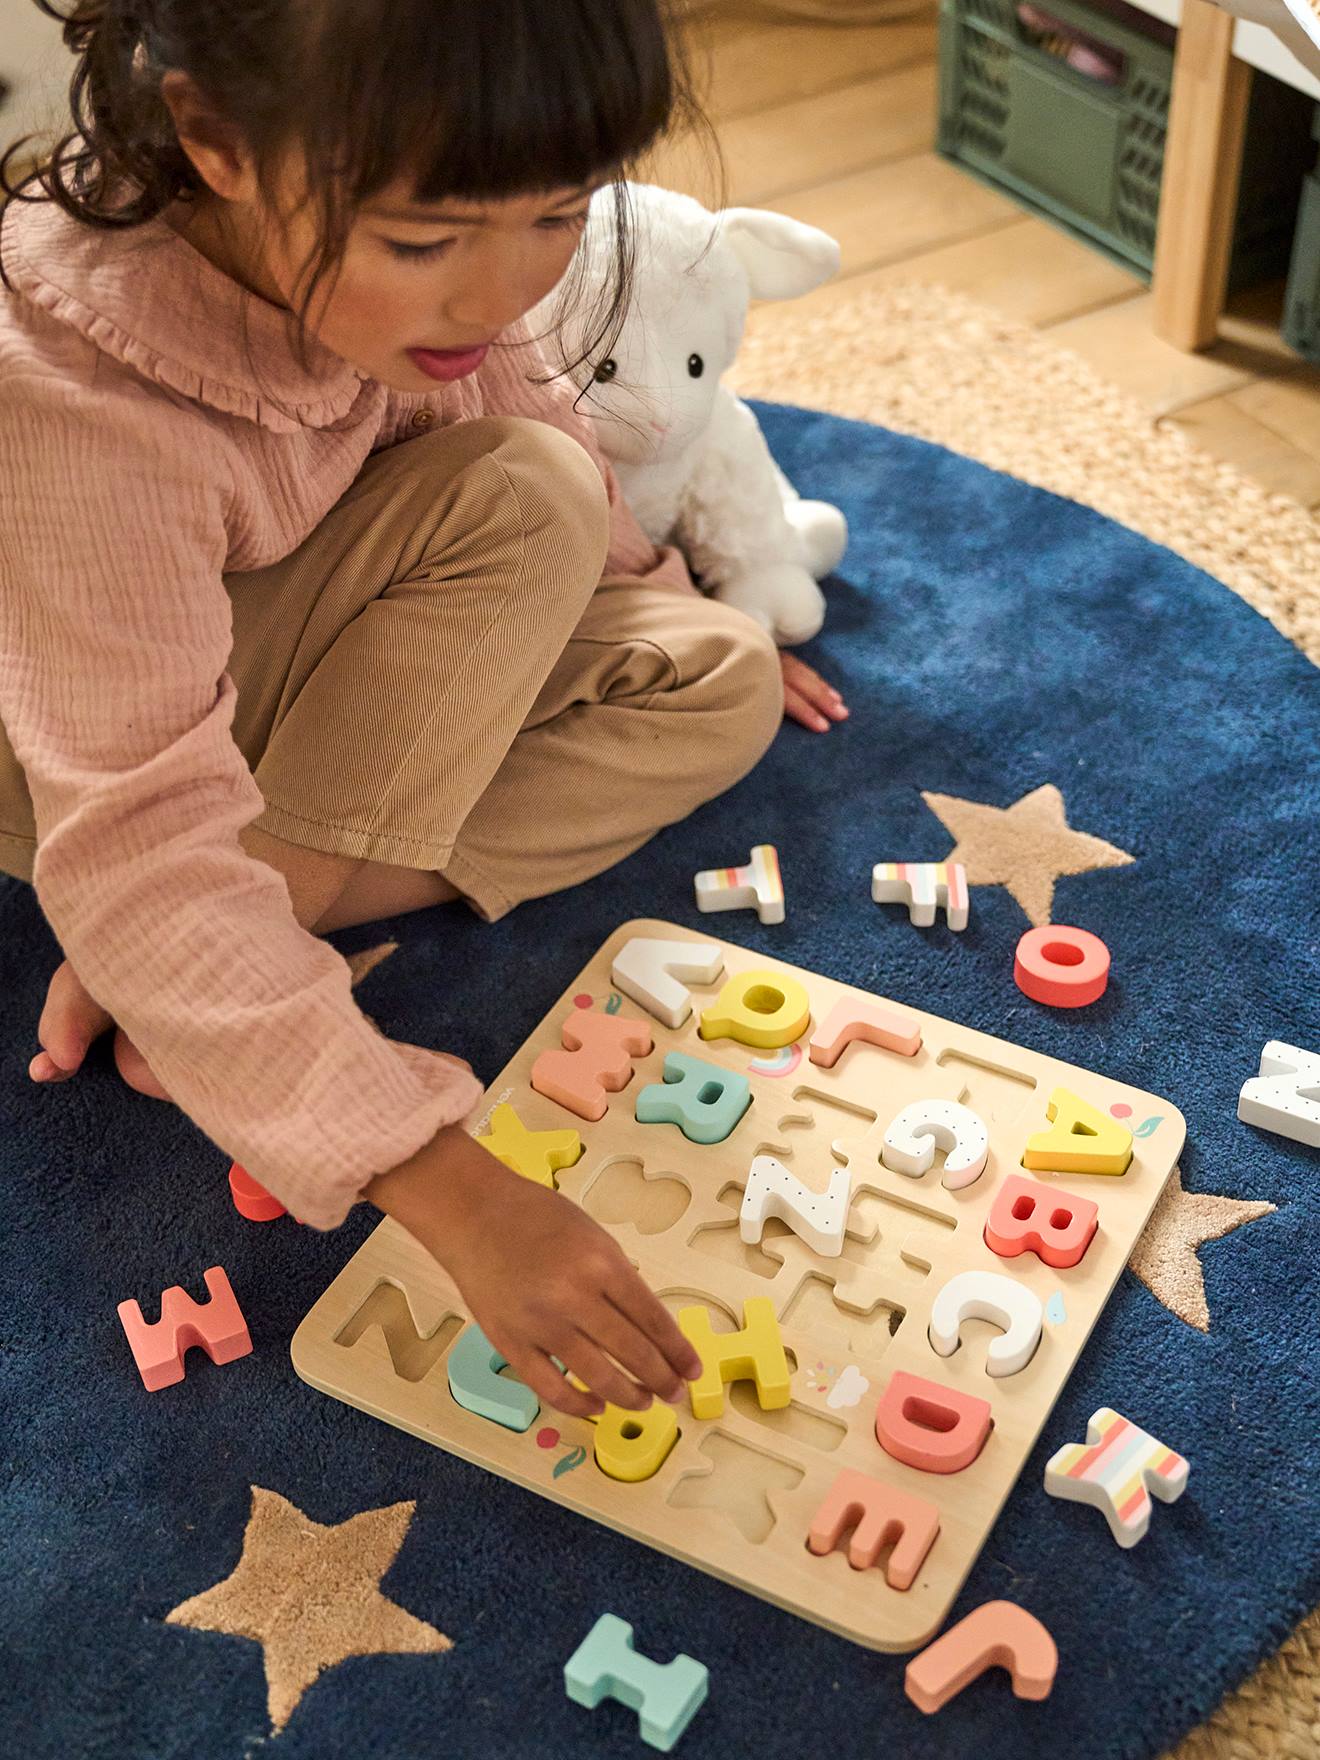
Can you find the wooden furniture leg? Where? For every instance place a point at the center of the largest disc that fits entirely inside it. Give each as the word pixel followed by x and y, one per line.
pixel 1202 161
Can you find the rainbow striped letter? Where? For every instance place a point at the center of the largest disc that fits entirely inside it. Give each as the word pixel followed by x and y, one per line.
pixel 759 884
pixel 1115 1470
pixel 921 886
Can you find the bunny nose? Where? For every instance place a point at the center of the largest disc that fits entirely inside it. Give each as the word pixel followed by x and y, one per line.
pixel 660 427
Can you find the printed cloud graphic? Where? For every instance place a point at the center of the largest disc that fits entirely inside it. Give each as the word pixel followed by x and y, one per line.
pixel 848 1389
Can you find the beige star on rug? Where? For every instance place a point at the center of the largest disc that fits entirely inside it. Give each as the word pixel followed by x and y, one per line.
pixel 1165 1258
pixel 1024 848
pixel 310 1595
pixel 359 964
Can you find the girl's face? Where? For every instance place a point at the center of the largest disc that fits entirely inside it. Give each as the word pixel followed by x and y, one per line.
pixel 417 279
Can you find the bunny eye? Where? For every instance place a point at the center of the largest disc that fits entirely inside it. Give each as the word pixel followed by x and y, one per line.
pixel 696 366
pixel 605 372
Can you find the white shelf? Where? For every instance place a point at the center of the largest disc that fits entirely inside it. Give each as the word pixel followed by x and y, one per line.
pixel 1253 43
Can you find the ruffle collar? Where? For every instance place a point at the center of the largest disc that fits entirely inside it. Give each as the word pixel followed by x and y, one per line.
pixel 148 297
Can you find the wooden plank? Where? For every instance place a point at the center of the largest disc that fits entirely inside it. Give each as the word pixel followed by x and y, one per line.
pixel 811 141
pixel 1062 278
pixel 889 212
pixel 1223 427
pixel 1121 344
pixel 1202 162
pixel 1289 407
pixel 748 66
pixel 738 1492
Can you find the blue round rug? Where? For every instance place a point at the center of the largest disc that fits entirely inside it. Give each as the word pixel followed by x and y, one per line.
pixel 993 642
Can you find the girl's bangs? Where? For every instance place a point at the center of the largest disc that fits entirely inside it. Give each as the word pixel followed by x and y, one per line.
pixel 488 101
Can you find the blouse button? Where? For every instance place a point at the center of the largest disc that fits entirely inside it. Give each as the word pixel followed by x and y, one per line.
pixel 422 418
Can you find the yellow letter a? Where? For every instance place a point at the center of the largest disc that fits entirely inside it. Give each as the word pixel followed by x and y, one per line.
pixel 1080 1139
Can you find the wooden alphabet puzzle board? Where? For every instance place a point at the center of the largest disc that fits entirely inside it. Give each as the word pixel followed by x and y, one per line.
pixel 737 1493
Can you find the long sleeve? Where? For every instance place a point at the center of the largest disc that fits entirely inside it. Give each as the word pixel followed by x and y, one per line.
pixel 114 639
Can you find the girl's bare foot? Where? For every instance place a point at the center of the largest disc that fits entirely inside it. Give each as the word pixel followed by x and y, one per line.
pixel 69 1022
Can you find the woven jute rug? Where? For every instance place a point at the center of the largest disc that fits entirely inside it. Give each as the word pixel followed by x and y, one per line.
pixel 933 364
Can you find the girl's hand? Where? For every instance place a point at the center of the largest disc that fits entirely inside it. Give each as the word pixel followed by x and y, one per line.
pixel 541 1278
pixel 69 1023
pixel 807 697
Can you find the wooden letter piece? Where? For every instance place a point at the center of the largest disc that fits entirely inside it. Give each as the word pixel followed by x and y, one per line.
pixel 251 1199
pixel 476 1383
pixel 818 1217
pixel 988 1295
pixel 632 1446
pixel 934 1428
pixel 765 1009
pixel 217 1326
pixel 1081 1139
pixel 598 1054
pixel 536 1155
pixel 911 1140
pixel 759 883
pixel 605 1666
pixel 703 1099
pixel 1116 1469
pixel 871 1021
pixel 883 1514
pixel 649 970
pixel 1027 1217
pixel 996 1633
pixel 921 886
pixel 1061 966
pixel 1285 1096
pixel 756 1353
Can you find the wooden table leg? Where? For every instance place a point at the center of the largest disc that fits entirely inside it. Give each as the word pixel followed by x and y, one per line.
pixel 1202 161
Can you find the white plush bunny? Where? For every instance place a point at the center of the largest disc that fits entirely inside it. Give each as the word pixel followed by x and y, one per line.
pixel 689 454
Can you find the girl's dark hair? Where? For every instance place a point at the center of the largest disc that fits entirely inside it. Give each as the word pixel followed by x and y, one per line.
pixel 476 100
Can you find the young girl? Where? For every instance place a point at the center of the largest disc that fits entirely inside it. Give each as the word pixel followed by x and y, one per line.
pixel 266 669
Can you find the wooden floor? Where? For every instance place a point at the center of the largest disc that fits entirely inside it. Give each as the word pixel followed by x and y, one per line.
pixel 835 125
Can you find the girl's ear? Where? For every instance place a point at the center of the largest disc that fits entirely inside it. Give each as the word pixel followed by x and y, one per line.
pixel 782 257
pixel 214 145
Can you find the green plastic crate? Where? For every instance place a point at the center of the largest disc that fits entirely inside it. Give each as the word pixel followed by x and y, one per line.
pixel 1091 155
pixel 1301 305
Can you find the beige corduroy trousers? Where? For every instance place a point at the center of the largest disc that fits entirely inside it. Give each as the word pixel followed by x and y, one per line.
pixel 439 677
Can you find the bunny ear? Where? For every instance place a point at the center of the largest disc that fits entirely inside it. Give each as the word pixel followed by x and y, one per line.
pixel 782 257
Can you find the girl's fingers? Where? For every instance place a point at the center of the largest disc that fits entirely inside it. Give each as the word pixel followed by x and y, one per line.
pixel 69 1021
pixel 135 1069
pixel 535 1368
pixel 796 705
pixel 602 1376
pixel 649 1315
pixel 810 686
pixel 822 695
pixel 614 1332
pixel 43 1068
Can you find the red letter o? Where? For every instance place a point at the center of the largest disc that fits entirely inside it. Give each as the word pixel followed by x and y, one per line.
pixel 1063 967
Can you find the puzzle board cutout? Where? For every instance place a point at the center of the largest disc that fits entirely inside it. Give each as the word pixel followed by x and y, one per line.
pixel 737 1493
